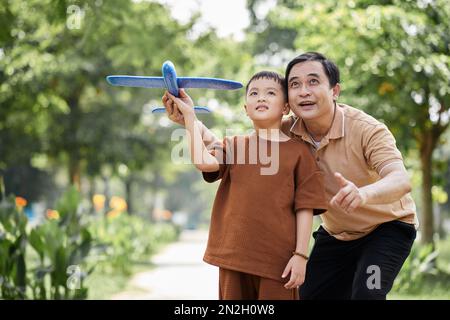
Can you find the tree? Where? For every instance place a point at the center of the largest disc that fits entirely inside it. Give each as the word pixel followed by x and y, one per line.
pixel 56 104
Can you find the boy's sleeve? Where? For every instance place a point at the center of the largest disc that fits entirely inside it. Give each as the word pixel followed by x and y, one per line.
pixel 218 150
pixel 309 185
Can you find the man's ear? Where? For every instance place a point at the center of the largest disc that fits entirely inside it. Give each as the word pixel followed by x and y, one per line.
pixel 336 91
pixel 286 109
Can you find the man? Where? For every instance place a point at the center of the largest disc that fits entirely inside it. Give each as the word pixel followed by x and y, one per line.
pixel 370 226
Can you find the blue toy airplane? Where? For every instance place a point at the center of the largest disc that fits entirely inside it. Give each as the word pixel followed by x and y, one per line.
pixel 172 83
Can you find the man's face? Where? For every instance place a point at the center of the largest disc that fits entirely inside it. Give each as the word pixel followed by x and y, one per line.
pixel 309 92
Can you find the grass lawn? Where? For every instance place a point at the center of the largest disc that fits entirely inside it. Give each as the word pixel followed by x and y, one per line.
pixel 102 286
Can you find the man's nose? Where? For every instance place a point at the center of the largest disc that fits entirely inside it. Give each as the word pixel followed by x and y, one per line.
pixel 304 91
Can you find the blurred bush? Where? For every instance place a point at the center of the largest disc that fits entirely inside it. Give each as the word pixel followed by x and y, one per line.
pixel 53 259
pixel 60 245
pixel 421 275
pixel 124 240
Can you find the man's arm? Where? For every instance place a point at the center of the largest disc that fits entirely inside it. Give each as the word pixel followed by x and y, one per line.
pixel 176 116
pixel 392 186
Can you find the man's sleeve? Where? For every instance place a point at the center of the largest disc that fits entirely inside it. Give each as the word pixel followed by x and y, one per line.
pixel 380 149
pixel 309 187
pixel 218 150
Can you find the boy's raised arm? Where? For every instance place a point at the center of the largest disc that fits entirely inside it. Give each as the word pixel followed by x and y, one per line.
pixel 200 156
pixel 174 114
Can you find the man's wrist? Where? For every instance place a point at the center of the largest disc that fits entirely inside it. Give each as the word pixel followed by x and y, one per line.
pixel 365 195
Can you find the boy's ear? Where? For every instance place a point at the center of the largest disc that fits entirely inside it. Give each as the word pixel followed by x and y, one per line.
pixel 245 107
pixel 286 109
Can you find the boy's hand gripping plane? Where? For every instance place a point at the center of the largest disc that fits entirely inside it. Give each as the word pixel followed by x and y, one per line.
pixel 172 83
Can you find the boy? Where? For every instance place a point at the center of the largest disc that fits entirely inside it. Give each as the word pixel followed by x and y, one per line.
pixel 261 220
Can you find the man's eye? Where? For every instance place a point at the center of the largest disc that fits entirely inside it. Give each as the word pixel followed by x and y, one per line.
pixel 314 81
pixel 294 84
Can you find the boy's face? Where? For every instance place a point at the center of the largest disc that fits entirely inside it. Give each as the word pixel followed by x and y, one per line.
pixel 310 95
pixel 265 100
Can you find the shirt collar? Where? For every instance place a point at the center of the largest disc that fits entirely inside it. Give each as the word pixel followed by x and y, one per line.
pixel 336 131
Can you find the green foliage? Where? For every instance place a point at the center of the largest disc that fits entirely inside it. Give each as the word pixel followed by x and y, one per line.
pixel 13 245
pixel 420 264
pixel 126 239
pixel 61 244
pixel 422 274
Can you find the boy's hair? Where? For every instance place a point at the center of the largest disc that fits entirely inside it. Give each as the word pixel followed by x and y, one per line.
pixel 330 68
pixel 275 76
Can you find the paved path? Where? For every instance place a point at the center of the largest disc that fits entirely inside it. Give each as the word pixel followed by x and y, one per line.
pixel 179 273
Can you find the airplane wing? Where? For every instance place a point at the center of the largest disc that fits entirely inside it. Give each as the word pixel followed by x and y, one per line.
pixel 136 81
pixel 197 109
pixel 208 83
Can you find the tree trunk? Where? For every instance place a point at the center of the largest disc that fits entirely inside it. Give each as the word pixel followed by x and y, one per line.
pixel 72 143
pixel 91 193
pixel 75 172
pixel 128 194
pixel 107 193
pixel 2 188
pixel 427 201
pixel 426 152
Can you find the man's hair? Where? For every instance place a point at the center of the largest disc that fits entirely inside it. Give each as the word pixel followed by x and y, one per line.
pixel 275 76
pixel 330 68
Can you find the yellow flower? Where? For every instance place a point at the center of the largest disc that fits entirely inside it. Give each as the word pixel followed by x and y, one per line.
pixel 118 203
pixel 113 214
pixel 52 214
pixel 385 87
pixel 99 202
pixel 21 202
pixel 166 215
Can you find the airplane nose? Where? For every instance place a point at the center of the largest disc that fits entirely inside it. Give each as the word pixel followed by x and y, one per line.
pixel 170 77
pixel 168 67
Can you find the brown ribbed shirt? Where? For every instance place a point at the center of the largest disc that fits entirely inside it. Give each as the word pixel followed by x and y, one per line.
pixel 253 222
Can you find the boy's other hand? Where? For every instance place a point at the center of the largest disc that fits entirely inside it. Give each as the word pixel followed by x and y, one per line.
pixel 297 268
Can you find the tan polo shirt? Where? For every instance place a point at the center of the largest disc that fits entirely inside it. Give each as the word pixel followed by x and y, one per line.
pixel 359 147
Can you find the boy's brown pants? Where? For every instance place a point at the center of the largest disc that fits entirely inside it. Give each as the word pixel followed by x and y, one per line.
pixel 235 285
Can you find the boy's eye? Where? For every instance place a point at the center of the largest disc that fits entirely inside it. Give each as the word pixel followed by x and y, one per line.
pixel 253 93
pixel 271 93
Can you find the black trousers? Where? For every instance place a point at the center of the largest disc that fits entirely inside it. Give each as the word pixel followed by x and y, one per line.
pixel 362 269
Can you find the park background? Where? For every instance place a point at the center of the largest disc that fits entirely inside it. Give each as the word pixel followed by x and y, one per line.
pixel 89 193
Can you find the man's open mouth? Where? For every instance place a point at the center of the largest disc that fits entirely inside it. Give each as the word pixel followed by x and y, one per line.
pixel 306 103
